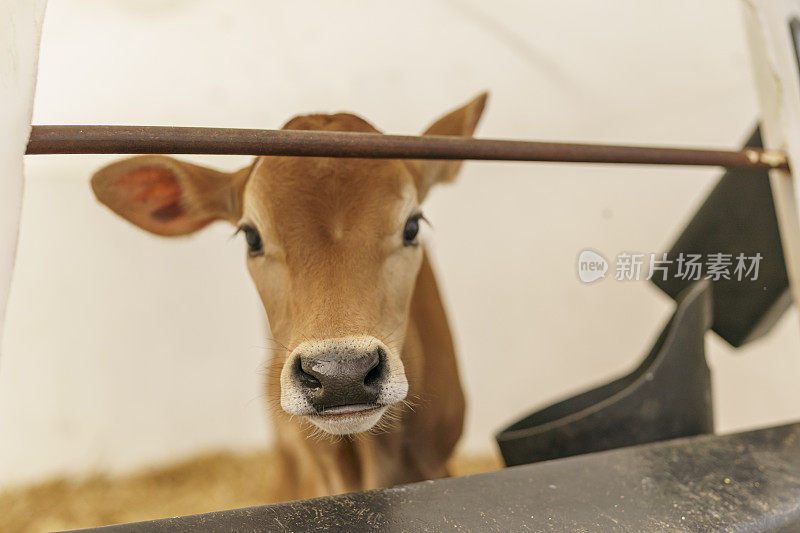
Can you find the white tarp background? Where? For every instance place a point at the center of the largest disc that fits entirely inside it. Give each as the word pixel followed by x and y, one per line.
pixel 20 31
pixel 123 349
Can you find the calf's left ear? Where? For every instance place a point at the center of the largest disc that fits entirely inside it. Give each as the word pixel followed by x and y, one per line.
pixel 169 197
pixel 460 122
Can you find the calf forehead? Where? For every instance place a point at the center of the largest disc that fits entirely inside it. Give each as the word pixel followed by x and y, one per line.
pixel 311 202
pixel 317 202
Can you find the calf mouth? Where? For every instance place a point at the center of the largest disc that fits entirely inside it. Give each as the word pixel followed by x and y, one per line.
pixel 348 419
pixel 349 410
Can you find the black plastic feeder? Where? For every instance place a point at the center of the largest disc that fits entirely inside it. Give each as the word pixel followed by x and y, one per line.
pixel 667 396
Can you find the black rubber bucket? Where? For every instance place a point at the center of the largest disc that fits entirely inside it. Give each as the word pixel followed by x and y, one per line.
pixel 667 396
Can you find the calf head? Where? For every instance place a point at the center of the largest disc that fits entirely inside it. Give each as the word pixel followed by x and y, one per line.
pixel 333 249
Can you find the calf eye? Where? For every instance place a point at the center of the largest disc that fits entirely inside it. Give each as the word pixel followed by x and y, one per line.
pixel 411 230
pixel 254 245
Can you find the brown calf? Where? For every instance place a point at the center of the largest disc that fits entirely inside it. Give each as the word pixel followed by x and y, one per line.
pixel 364 387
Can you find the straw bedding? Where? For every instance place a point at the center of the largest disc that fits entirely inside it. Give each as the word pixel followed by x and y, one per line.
pixel 209 482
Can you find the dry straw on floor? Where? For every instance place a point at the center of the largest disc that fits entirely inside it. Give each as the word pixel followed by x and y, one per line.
pixel 205 483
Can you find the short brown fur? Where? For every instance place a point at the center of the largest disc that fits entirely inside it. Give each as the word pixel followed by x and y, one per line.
pixel 332 266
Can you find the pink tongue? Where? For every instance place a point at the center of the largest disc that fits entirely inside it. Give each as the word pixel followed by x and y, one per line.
pixel 345 409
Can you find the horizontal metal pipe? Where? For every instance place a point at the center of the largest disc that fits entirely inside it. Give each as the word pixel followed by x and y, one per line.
pixel 174 140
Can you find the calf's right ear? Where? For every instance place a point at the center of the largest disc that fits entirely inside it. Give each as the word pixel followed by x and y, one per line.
pixel 169 197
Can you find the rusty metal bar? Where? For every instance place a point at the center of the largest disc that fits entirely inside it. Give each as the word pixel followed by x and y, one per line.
pixel 175 140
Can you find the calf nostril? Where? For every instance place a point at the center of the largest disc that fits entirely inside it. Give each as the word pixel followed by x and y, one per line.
pixel 375 373
pixel 306 379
